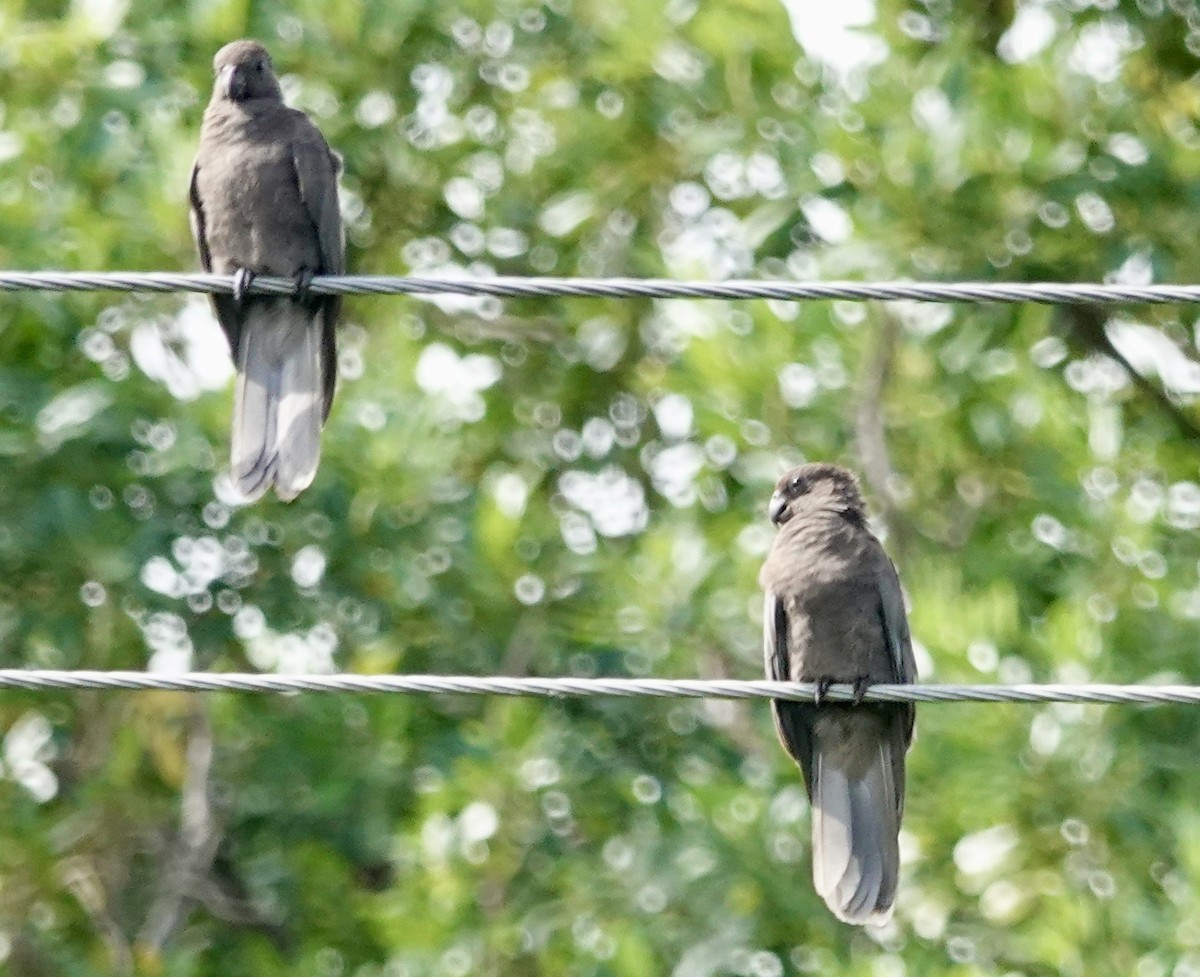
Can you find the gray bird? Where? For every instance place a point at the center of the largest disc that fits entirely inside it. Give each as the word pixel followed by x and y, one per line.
pixel 834 613
pixel 264 201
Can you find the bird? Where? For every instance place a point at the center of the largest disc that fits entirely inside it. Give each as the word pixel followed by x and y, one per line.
pixel 833 611
pixel 264 201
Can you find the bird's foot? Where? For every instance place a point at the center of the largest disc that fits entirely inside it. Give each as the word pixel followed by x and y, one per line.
pixel 303 282
pixel 242 281
pixel 860 685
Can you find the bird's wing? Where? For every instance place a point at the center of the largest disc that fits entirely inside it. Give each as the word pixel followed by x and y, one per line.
pixel 775 637
pixel 196 215
pixel 223 305
pixel 899 643
pixel 793 720
pixel 895 623
pixel 317 169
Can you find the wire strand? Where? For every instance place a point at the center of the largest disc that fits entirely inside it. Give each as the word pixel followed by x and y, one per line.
pixel 43 679
pixel 501 286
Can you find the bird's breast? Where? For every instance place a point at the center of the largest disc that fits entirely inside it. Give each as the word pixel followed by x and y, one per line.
pixel 254 215
pixel 824 573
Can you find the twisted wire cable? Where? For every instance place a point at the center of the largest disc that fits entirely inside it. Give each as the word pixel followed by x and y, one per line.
pixel 44 679
pixel 519 287
pixel 501 286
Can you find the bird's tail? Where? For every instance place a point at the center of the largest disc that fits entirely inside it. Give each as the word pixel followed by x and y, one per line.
pixel 277 408
pixel 855 828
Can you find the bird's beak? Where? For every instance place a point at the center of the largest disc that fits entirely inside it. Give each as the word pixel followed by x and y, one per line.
pixel 231 83
pixel 777 505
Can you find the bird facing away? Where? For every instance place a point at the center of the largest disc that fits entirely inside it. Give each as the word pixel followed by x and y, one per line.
pixel 834 613
pixel 264 201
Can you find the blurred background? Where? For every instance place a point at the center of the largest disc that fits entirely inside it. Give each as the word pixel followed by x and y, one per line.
pixel 578 487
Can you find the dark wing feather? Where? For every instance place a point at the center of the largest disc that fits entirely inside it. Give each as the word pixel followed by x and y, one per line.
pixel 895 629
pixel 197 217
pixel 223 305
pixel 317 168
pixel 793 720
pixel 895 623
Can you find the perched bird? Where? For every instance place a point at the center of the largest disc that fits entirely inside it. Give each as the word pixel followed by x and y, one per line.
pixel 264 201
pixel 834 613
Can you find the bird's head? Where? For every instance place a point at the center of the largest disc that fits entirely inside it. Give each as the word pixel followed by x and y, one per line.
pixel 818 485
pixel 244 72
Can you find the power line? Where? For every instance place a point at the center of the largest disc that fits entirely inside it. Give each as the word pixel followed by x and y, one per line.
pixel 501 286
pixel 43 679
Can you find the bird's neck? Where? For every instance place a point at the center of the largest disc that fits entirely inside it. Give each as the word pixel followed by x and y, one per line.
pixel 830 515
pixel 827 529
pixel 248 108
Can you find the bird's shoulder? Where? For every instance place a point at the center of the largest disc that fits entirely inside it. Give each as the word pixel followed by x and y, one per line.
pixel 228 121
pixel 824 546
pixel 264 130
pixel 308 138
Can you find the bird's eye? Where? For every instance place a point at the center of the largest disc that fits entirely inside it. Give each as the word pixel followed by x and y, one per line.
pixel 797 485
pixel 258 67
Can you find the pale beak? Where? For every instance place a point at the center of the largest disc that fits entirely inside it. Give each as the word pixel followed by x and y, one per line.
pixel 776 506
pixel 230 82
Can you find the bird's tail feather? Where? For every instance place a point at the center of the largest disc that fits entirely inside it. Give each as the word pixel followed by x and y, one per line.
pixel 855 824
pixel 278 404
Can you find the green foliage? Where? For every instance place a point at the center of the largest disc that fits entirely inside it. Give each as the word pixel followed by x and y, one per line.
pixel 576 487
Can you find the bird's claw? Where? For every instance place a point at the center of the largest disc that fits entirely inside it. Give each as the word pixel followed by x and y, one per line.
pixel 303 282
pixel 860 685
pixel 242 280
